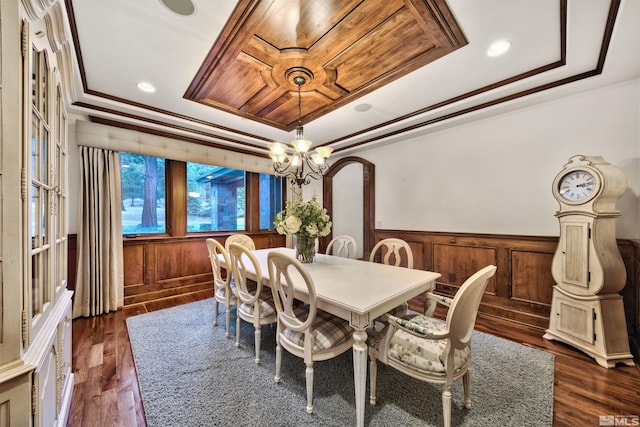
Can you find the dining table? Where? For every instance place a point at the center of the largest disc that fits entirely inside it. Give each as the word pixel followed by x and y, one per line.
pixel 357 291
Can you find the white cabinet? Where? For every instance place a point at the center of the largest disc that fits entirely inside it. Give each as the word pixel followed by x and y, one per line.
pixel 36 381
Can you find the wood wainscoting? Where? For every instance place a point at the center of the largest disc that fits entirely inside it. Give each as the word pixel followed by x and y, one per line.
pixel 158 268
pixel 522 288
pixel 521 291
pixel 162 267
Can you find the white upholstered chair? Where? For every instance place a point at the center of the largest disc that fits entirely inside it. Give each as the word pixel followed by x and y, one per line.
pixel 303 330
pixel 241 239
pixel 432 350
pixel 395 252
pixel 255 302
pixel 224 291
pixel 343 246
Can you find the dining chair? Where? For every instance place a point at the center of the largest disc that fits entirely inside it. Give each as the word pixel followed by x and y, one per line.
pixel 429 349
pixel 303 330
pixel 343 246
pixel 255 305
pixel 242 239
pixel 224 291
pixel 395 252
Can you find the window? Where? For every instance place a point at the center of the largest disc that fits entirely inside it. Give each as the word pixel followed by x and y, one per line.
pixel 143 194
pixel 216 198
pixel 270 200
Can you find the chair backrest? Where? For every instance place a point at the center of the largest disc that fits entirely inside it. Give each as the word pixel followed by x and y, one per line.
pixel 216 250
pixel 283 269
pixel 241 258
pixel 343 246
pixel 241 239
pixel 461 317
pixel 394 249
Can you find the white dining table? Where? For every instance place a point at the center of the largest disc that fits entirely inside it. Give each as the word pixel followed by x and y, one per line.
pixel 359 292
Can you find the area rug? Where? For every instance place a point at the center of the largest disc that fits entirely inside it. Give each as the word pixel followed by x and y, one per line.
pixel 191 375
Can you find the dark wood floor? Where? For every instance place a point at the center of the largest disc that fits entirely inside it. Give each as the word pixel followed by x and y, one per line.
pixel 106 387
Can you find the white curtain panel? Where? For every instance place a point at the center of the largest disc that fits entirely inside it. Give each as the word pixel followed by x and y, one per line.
pixel 100 277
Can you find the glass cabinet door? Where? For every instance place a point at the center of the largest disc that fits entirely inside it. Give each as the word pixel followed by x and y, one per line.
pixel 46 152
pixel 60 189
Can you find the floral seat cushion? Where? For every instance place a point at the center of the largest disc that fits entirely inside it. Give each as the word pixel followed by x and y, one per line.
pixel 329 331
pixel 421 353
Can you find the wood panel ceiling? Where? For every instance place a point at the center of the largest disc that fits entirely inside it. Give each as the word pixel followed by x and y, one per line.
pixel 343 48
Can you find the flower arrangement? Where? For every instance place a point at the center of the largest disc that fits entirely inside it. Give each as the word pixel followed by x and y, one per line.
pixel 301 218
pixel 305 220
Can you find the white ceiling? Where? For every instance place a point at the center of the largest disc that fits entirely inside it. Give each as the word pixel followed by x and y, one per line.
pixel 123 42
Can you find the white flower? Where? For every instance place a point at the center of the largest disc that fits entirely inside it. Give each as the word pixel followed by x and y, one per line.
pixel 312 230
pixel 292 224
pixel 326 230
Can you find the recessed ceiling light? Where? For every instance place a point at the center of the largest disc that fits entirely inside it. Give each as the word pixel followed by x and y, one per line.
pixel 180 7
pixel 498 48
pixel 362 107
pixel 146 87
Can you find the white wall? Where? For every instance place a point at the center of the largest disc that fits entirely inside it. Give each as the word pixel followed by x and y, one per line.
pixel 495 175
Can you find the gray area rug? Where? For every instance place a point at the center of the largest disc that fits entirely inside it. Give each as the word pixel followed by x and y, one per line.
pixel 191 375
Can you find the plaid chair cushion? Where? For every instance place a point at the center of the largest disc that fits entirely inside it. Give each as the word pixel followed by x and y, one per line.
pixel 267 307
pixel 220 292
pixel 421 353
pixel 328 330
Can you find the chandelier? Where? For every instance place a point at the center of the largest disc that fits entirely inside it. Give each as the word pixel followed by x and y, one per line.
pixel 302 165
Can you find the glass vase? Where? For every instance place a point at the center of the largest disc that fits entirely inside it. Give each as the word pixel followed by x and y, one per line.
pixel 306 249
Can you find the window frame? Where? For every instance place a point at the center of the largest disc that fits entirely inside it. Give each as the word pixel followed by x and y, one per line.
pixel 176 205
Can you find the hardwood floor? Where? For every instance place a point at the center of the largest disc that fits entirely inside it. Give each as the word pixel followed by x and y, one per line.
pixel 106 387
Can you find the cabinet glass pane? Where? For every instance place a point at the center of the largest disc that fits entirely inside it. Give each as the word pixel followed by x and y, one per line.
pixel 36 284
pixel 35 148
pixel 60 232
pixel 44 157
pixel 44 221
pixel 39 277
pixel 44 85
pixel 56 177
pixel 35 67
pixel 34 216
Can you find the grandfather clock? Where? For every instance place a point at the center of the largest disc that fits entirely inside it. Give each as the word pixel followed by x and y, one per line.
pixel 586 311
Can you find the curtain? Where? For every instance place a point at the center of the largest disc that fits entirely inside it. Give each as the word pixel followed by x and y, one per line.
pixel 100 277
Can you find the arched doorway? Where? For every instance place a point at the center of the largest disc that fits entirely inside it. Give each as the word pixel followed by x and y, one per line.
pixel 368 198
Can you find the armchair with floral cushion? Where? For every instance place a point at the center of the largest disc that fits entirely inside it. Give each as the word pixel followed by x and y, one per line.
pixel 430 349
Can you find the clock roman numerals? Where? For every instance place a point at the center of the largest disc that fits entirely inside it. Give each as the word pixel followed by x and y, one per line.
pixel 577 185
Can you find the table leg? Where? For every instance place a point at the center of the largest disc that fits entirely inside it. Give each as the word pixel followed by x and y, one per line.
pixel 360 372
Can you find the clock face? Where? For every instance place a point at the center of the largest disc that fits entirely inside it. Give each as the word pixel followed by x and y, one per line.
pixel 577 186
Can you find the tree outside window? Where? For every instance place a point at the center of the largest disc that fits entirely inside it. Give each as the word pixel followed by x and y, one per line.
pixel 143 194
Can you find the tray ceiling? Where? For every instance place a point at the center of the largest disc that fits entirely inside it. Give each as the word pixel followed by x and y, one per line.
pixel 342 49
pixel 371 85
